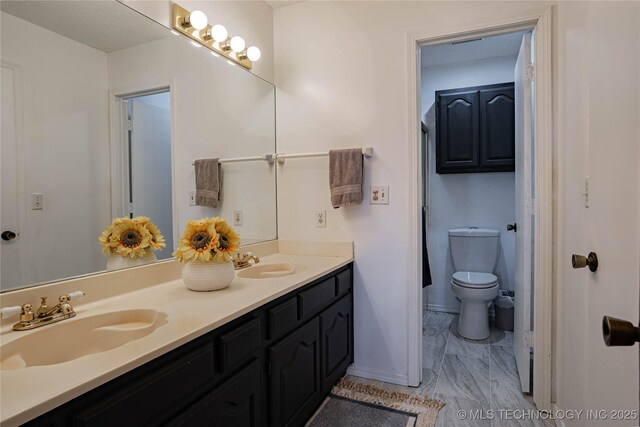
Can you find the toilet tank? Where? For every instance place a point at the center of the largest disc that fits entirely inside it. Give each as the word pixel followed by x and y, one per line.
pixel 474 249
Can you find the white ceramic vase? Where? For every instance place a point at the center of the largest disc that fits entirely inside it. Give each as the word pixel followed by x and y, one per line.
pixel 117 262
pixel 207 276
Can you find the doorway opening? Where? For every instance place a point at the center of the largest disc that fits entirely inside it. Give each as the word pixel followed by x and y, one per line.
pixel 477 228
pixel 144 160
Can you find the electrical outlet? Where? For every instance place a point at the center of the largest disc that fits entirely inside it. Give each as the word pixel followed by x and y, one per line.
pixel 192 198
pixel 237 218
pixel 321 219
pixel 37 201
pixel 379 195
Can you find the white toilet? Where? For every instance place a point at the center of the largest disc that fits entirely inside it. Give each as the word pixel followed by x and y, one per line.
pixel 475 254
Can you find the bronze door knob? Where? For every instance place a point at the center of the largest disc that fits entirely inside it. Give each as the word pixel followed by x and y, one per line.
pixel 618 332
pixel 579 261
pixel 512 227
pixel 8 235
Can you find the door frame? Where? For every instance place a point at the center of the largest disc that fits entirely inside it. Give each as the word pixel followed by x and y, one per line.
pixel 541 20
pixel 21 184
pixel 116 150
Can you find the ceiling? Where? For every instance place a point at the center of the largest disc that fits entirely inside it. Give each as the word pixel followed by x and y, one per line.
pixel 104 25
pixel 276 4
pixel 490 47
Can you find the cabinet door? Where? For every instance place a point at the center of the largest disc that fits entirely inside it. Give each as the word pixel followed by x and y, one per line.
pixel 295 376
pixel 336 326
pixel 457 131
pixel 235 403
pixel 497 118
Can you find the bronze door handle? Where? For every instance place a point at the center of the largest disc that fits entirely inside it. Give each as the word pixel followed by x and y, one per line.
pixel 618 332
pixel 512 227
pixel 8 235
pixel 579 261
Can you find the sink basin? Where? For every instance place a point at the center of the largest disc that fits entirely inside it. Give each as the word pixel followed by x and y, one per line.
pixel 268 271
pixel 77 337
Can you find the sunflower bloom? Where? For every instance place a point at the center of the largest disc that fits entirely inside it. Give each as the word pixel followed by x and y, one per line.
pixel 197 241
pixel 228 242
pixel 130 239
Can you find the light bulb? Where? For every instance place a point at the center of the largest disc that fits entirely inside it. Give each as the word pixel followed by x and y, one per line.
pixel 219 33
pixel 253 53
pixel 237 44
pixel 198 20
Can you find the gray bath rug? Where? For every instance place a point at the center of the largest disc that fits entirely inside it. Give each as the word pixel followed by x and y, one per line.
pixel 352 404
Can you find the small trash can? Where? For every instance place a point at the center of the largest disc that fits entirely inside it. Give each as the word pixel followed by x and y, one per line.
pixel 504 313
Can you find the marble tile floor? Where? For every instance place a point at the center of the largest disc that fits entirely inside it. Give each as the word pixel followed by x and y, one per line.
pixel 478 379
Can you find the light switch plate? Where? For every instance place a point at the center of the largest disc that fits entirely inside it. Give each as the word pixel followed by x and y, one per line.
pixel 237 218
pixel 192 198
pixel 37 201
pixel 379 195
pixel 321 218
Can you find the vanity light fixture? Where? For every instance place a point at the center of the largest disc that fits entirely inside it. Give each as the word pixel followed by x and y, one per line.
pixel 253 53
pixel 214 37
pixel 237 44
pixel 196 19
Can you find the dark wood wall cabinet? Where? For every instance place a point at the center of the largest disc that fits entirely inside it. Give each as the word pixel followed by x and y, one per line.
pixel 271 367
pixel 475 129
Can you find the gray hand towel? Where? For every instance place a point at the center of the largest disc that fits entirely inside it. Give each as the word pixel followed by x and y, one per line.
pixel 345 177
pixel 208 182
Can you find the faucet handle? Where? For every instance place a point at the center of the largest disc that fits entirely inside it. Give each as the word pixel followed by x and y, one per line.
pixel 6 312
pixel 75 295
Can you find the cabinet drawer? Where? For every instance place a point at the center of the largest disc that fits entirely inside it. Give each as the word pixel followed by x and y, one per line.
pixel 239 345
pixel 282 317
pixel 343 283
pixel 145 401
pixel 316 298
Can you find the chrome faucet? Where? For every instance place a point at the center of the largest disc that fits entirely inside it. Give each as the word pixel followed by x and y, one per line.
pixel 45 315
pixel 242 261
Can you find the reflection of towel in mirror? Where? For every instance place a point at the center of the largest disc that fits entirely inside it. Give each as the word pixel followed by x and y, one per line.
pixel 345 177
pixel 208 182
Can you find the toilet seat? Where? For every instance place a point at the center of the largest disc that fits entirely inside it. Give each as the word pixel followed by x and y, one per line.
pixel 473 279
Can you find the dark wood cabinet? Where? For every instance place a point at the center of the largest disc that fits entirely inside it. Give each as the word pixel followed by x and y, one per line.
pixel 336 326
pixel 271 367
pixel 475 129
pixel 235 403
pixel 295 376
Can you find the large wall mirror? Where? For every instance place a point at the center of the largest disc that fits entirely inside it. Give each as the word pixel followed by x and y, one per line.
pixel 104 112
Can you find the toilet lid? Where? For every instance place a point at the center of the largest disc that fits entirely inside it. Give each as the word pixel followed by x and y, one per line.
pixel 472 279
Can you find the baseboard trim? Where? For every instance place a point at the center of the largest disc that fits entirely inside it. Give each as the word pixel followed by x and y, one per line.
pixel 374 374
pixel 453 310
pixel 443 308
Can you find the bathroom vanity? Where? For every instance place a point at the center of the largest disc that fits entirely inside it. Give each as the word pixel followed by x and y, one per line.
pixel 264 352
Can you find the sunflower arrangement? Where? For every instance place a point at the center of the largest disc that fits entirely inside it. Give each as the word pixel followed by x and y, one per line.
pixel 207 240
pixel 131 237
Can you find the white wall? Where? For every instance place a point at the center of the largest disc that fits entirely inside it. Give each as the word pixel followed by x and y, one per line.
pixel 253 20
pixel 66 137
pixel 470 199
pixel 341 72
pixel 220 111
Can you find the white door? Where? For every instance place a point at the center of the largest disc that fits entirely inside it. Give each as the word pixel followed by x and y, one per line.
pixel 10 211
pixel 522 320
pixel 151 163
pixel 611 220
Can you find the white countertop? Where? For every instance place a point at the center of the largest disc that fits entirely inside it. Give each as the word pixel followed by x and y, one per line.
pixel 29 392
